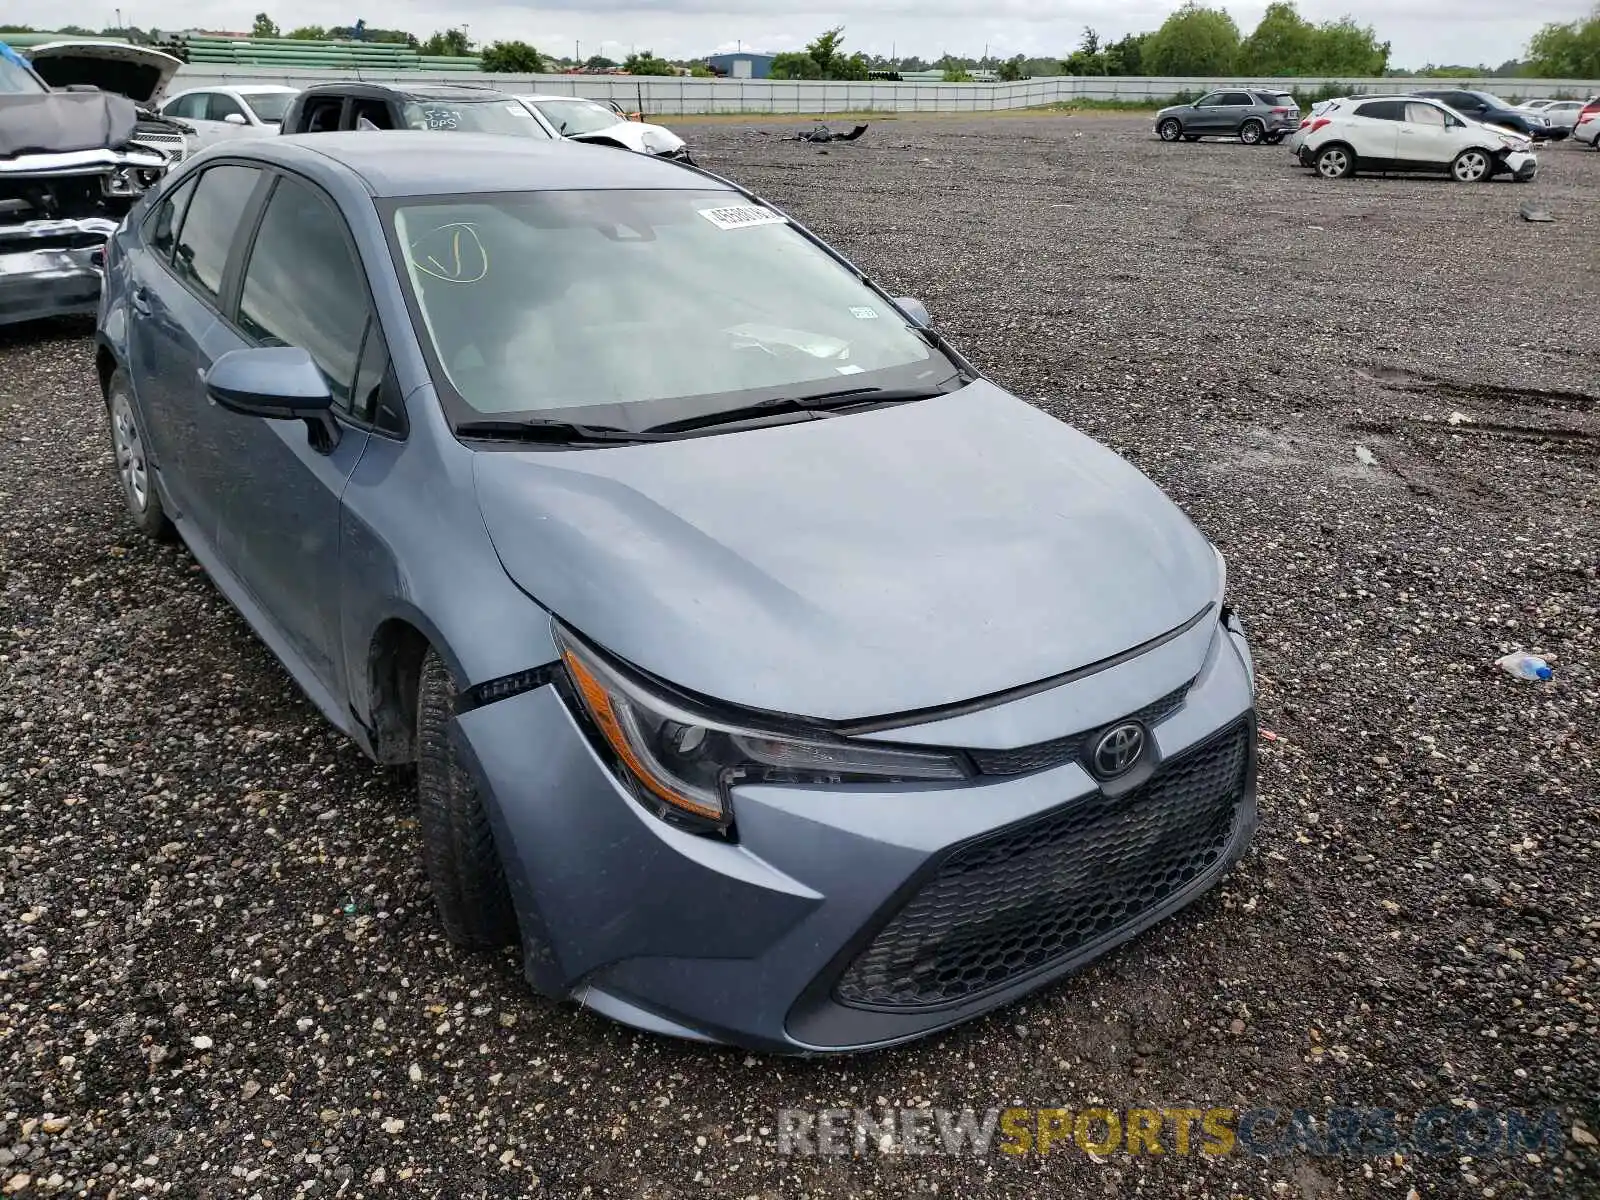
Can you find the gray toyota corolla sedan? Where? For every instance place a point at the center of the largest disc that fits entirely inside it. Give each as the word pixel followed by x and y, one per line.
pixel 771 676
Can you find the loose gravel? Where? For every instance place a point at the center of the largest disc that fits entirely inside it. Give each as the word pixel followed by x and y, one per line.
pixel 220 973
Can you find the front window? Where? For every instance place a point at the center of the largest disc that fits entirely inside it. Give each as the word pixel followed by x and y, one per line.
pixel 472 116
pixel 269 107
pixel 573 117
pixel 641 307
pixel 1491 101
pixel 1425 114
pixel 16 79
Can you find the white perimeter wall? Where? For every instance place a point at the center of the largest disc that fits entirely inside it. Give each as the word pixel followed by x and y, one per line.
pixel 669 96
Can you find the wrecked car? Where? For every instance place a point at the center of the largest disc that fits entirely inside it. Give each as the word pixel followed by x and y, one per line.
pixel 776 679
pixel 77 150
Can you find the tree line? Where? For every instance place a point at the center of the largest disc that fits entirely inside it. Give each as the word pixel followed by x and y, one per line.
pixel 1195 40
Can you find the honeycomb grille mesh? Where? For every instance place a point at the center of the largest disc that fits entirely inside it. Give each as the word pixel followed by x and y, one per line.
pixel 1042 756
pixel 1026 897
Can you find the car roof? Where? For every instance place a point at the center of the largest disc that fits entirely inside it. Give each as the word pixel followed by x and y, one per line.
pixel 454 92
pixel 242 89
pixel 408 162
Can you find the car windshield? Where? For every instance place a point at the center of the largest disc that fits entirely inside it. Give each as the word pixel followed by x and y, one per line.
pixel 16 79
pixel 473 116
pixel 269 107
pixel 642 307
pixel 1491 100
pixel 577 116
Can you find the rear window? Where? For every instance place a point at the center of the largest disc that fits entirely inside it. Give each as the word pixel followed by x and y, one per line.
pixel 473 116
pixel 1383 110
pixel 1277 99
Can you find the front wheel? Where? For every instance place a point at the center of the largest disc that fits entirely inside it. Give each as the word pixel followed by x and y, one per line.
pixel 1471 166
pixel 458 850
pixel 1170 130
pixel 1252 133
pixel 1336 162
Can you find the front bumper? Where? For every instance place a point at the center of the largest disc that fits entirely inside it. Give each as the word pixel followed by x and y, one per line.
pixel 1523 165
pixel 50 268
pixel 842 917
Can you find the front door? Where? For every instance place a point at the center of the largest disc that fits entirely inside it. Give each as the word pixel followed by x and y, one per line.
pixel 301 286
pixel 1425 136
pixel 1208 114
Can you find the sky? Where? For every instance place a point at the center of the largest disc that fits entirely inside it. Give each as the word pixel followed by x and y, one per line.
pixel 1422 31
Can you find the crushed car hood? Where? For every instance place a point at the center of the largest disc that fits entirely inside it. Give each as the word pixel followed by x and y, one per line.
pixel 137 72
pixel 64 122
pixel 853 566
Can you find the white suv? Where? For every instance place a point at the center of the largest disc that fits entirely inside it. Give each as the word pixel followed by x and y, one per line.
pixel 1409 133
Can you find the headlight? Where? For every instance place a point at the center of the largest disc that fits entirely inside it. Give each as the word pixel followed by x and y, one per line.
pixel 121 182
pixel 656 142
pixel 682 762
pixel 1222 576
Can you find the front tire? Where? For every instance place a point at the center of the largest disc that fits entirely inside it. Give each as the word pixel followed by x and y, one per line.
pixel 1336 162
pixel 458 850
pixel 1252 133
pixel 1170 130
pixel 131 450
pixel 1472 166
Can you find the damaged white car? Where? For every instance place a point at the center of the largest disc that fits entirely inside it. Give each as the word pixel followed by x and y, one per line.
pixel 78 147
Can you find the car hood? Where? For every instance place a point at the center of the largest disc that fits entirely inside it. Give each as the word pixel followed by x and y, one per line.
pixel 853 566
pixel 1174 108
pixel 635 136
pixel 137 72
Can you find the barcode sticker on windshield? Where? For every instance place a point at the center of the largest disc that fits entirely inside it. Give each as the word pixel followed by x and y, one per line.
pixel 742 216
pixel 516 110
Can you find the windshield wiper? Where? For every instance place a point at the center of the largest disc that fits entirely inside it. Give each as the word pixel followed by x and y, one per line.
pixel 560 433
pixel 778 405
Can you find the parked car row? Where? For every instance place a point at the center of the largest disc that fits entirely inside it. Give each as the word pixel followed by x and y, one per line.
pixel 1472 136
pixel 226 113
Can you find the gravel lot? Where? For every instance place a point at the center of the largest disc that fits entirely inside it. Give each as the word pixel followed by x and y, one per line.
pixel 220 973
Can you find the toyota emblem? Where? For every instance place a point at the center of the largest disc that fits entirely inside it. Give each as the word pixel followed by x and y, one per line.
pixel 1118 749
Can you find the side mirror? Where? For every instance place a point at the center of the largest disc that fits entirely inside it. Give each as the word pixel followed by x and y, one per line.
pixel 916 312
pixel 280 383
pixel 235 119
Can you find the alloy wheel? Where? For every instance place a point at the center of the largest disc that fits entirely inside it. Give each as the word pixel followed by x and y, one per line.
pixel 1170 130
pixel 1333 163
pixel 1470 166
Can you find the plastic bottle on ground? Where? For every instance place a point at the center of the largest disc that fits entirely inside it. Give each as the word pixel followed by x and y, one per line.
pixel 1525 666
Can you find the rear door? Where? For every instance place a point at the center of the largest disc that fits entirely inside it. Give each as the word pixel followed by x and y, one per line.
pixel 1375 131
pixel 177 289
pixel 1233 110
pixel 301 285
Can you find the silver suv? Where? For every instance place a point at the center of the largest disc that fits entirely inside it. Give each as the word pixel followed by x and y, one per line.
pixel 1253 115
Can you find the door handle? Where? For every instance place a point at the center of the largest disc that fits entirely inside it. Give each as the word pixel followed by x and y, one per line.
pixel 140 299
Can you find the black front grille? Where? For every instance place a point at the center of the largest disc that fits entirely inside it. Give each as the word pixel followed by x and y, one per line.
pixel 1019 900
pixel 1042 756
